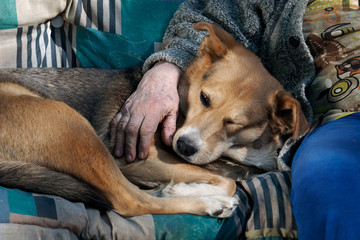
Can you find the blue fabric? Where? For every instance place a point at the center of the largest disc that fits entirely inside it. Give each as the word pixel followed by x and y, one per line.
pixel 45 207
pixel 4 206
pixel 326 187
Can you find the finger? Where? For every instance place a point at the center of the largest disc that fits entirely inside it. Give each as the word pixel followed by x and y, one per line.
pixel 113 128
pixel 120 134
pixel 168 129
pixel 147 132
pixel 131 137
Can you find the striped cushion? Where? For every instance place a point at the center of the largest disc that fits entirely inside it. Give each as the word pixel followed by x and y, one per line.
pixel 271 211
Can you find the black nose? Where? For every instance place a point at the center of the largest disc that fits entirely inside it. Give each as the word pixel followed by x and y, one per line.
pixel 184 147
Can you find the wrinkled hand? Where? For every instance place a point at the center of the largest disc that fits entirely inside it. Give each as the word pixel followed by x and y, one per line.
pixel 155 100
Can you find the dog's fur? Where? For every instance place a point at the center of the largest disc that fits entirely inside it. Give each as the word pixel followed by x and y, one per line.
pixel 235 111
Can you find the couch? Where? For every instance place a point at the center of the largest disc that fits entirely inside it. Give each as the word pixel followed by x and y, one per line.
pixel 117 34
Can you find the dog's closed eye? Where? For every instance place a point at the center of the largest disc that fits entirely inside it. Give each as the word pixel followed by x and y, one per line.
pixel 205 100
pixel 228 121
pixel 232 126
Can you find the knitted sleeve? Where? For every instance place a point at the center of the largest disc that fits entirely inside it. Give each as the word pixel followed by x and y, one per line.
pixel 244 20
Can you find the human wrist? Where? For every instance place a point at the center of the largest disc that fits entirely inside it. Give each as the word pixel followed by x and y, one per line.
pixel 172 70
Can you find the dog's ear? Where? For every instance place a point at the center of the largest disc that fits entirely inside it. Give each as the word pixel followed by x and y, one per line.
pixel 216 44
pixel 287 116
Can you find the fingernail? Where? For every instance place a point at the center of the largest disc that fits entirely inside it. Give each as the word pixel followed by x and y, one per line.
pixel 169 140
pixel 128 158
pixel 141 155
pixel 118 153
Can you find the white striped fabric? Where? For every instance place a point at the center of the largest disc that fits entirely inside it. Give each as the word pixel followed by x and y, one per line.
pixel 103 15
pixel 41 46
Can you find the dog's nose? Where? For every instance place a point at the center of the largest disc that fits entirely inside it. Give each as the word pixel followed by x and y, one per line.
pixel 184 147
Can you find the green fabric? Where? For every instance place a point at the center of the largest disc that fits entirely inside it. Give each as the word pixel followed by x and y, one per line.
pixel 186 226
pixel 105 50
pixel 140 24
pixel 230 228
pixel 8 15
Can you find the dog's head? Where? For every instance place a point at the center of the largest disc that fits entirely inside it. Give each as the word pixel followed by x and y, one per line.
pixel 234 107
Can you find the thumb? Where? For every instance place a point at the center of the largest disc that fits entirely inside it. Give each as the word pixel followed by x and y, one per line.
pixel 168 129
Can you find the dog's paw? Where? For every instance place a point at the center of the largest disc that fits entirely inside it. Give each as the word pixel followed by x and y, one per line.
pixel 191 189
pixel 220 206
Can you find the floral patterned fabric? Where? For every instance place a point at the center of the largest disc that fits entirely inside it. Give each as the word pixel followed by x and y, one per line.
pixel 331 29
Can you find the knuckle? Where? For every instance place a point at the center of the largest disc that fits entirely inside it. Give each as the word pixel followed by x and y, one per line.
pixel 147 131
pixel 131 129
pixel 126 108
pixel 114 123
pixel 121 126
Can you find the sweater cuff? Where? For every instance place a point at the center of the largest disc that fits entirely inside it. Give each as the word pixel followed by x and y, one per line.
pixel 176 56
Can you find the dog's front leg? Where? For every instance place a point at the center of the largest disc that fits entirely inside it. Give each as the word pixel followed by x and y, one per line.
pixel 162 167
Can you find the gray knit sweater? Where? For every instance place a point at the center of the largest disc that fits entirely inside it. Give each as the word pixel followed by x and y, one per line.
pixel 270 28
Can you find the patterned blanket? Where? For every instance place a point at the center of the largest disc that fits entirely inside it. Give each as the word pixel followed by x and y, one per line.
pixel 116 34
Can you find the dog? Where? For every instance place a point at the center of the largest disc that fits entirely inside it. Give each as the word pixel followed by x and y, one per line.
pixel 55 132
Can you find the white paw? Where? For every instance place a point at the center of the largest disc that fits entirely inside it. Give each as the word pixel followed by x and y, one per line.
pixel 220 206
pixel 191 189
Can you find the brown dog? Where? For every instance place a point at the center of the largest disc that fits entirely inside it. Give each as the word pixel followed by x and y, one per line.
pixel 233 108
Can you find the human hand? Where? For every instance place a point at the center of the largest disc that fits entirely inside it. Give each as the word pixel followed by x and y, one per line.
pixel 155 100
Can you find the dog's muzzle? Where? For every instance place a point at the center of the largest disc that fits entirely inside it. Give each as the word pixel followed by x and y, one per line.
pixel 185 147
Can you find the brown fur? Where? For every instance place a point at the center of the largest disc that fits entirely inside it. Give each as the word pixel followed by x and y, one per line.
pixel 248 111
